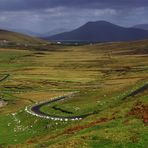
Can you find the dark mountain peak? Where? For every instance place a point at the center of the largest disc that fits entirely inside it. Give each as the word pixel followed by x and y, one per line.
pixel 99 24
pixel 102 31
pixel 102 22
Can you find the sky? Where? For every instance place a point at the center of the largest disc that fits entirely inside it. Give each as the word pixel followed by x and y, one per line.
pixel 44 15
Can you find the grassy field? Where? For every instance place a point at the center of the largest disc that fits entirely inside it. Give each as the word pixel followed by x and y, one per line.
pixel 104 74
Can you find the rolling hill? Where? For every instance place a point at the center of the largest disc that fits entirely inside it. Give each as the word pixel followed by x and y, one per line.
pixel 101 31
pixel 18 38
pixel 141 26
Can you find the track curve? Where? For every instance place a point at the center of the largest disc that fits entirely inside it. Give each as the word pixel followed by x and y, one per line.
pixel 35 110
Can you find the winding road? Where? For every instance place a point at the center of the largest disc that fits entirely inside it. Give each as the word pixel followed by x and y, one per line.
pixel 35 110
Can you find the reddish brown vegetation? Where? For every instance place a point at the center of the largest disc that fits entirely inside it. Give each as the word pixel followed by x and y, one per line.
pixel 140 111
pixel 81 127
pixel 75 129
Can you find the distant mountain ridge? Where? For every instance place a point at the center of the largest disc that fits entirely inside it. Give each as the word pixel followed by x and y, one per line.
pixel 54 31
pixel 141 26
pixel 35 34
pixel 101 31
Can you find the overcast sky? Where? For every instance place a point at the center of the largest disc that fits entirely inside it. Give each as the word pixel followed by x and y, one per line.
pixel 45 15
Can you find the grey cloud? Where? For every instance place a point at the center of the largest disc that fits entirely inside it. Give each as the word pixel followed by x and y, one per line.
pixel 14 5
pixel 44 15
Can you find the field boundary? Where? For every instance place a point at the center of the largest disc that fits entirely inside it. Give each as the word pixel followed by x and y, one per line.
pixel 6 76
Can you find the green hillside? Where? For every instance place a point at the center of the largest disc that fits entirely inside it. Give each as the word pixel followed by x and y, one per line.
pixel 13 37
pixel 111 81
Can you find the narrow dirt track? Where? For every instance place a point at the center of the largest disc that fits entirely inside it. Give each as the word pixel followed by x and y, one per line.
pixel 137 91
pixel 5 77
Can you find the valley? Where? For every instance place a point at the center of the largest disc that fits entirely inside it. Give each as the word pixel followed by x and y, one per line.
pixel 107 79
